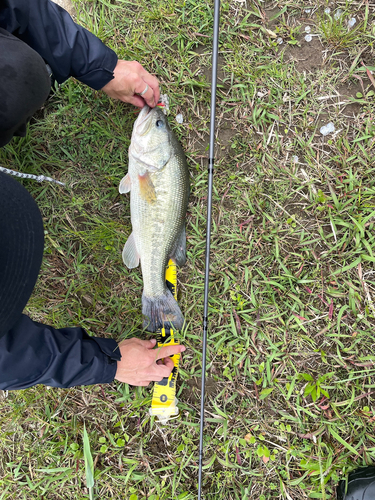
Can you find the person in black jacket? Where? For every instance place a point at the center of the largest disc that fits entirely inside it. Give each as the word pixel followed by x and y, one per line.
pixel 33 33
pixel 71 50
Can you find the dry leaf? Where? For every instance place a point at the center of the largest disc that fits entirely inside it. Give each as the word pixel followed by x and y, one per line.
pixel 270 33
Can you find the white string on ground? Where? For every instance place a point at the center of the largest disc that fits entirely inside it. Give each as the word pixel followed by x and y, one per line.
pixel 366 290
pixel 39 178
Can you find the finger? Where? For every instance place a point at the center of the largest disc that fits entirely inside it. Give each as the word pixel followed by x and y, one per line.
pixel 136 100
pixel 146 92
pixel 153 83
pixel 144 383
pixel 149 97
pixel 148 344
pixel 163 371
pixel 168 362
pixel 169 350
pixel 140 86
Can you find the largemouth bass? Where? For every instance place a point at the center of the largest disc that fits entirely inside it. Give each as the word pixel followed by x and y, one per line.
pixel 158 181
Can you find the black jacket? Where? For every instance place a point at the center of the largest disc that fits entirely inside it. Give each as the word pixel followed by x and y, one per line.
pixel 69 49
pixel 32 353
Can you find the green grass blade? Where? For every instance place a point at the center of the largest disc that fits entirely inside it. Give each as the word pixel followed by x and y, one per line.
pixel 89 464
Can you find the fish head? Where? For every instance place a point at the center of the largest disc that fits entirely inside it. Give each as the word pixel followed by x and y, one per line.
pixel 151 142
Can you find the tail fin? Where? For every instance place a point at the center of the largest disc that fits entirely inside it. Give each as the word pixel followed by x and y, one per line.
pixel 161 312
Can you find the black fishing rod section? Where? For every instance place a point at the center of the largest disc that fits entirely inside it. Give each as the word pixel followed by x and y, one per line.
pixel 215 51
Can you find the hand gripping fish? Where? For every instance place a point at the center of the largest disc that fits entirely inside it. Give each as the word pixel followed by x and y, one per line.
pixel 158 181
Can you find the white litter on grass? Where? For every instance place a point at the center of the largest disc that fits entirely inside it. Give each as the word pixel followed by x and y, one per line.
pixel 3 394
pixel 338 14
pixel 307 29
pixel 308 38
pixel 295 159
pixel 327 129
pixel 179 118
pixel 279 41
pixel 327 10
pixel 352 22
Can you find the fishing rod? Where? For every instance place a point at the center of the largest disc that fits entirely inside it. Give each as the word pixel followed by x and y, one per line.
pixel 215 50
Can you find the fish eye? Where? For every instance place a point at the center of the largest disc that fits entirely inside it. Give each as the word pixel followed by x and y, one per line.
pixel 159 123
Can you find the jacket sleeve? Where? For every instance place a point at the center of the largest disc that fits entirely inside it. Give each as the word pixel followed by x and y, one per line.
pixel 69 49
pixel 32 353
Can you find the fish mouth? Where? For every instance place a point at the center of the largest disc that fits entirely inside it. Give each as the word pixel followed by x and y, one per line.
pixel 144 121
pixel 143 115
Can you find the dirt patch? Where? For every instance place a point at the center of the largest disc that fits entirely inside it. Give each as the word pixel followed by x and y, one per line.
pixel 192 393
pixel 308 56
pixel 368 57
pixel 226 133
pixel 207 72
pixel 156 447
pixel 198 140
pixel 203 64
pixel 270 14
pixel 345 92
pixel 349 90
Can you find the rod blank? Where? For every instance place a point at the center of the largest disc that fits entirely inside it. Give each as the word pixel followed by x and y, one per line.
pixel 215 50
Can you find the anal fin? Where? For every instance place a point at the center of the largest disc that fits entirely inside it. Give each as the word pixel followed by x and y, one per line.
pixel 179 252
pixel 130 255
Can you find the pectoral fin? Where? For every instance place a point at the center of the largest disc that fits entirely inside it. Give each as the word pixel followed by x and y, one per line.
pixel 125 184
pixel 130 255
pixel 146 188
pixel 179 252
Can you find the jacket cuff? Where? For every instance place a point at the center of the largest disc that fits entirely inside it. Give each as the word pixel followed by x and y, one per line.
pixel 110 348
pixel 98 78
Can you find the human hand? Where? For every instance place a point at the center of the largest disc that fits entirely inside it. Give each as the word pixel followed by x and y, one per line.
pixel 130 79
pixel 141 364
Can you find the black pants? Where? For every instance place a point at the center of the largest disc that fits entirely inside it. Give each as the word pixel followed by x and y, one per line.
pixel 24 85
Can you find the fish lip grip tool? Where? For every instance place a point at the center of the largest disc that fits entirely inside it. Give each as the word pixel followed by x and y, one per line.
pixel 164 401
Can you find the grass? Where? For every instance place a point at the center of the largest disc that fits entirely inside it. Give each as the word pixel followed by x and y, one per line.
pixel 291 363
